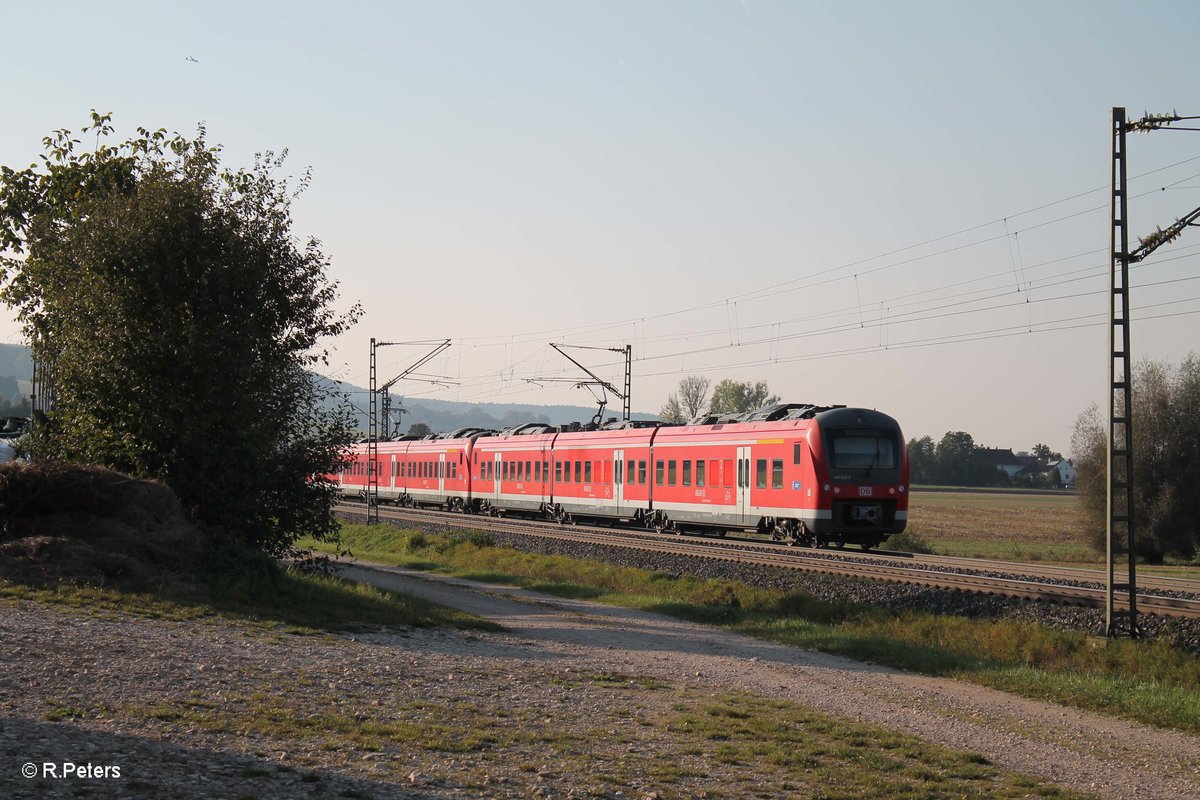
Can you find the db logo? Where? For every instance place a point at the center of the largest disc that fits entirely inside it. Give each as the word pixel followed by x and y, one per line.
pixel 864 491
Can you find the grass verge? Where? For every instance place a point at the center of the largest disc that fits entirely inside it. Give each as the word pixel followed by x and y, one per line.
pixel 295 601
pixel 1149 682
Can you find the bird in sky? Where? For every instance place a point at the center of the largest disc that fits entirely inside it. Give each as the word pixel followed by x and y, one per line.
pixel 193 60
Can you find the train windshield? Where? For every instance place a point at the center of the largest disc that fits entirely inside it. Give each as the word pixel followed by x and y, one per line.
pixel 864 448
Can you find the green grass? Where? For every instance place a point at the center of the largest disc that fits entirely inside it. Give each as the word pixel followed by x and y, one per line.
pixel 816 755
pixel 772 745
pixel 295 601
pixel 1149 682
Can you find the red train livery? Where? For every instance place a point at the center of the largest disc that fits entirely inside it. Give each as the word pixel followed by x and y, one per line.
pixel 807 474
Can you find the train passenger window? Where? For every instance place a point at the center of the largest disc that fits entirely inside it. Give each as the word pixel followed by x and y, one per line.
pixel 796 454
pixel 687 472
pixel 727 473
pixel 641 473
pixel 671 472
pixel 587 472
pixel 777 473
pixel 699 473
pixel 578 471
pixel 528 470
pixel 760 473
pixel 608 471
pixel 558 472
pixel 660 472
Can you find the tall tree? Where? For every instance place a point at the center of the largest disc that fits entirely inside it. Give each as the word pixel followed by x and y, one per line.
pixel 736 397
pixel 957 462
pixel 688 401
pixel 1166 470
pixel 181 317
pixel 922 460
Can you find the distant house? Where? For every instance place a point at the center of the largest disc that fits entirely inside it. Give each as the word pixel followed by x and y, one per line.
pixel 1004 460
pixel 1066 472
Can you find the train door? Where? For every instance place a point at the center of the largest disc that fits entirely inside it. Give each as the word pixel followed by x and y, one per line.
pixel 441 476
pixel 619 482
pixel 743 485
pixel 496 465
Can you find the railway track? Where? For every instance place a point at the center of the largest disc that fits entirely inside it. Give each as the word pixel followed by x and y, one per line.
pixel 1164 596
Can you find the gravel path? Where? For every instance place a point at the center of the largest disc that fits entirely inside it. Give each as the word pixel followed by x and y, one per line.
pixel 1103 755
pixel 567 702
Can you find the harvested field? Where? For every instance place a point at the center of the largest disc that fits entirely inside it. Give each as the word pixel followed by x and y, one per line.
pixel 1020 527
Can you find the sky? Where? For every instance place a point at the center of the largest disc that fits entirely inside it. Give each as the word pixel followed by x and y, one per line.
pixel 901 206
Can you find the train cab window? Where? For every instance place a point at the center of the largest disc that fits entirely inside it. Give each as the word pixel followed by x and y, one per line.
pixel 587 472
pixel 864 448
pixel 641 475
pixel 687 472
pixel 760 473
pixel 660 472
pixel 671 472
pixel 777 473
pixel 699 473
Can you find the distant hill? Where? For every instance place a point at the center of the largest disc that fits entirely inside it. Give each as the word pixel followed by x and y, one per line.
pixel 16 362
pixel 16 369
pixel 448 415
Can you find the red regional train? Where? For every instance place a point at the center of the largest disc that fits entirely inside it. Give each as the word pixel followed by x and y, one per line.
pixel 806 474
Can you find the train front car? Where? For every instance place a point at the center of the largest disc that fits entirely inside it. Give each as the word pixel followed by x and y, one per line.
pixel 861 467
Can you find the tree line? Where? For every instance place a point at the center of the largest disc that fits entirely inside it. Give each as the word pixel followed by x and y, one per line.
pixel 956 460
pixel 728 397
pixel 1166 461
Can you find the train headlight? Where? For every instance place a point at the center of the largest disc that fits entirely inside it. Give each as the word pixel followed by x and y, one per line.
pixel 901 489
pixel 827 487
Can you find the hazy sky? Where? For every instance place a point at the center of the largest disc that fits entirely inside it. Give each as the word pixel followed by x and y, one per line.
pixel 894 205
